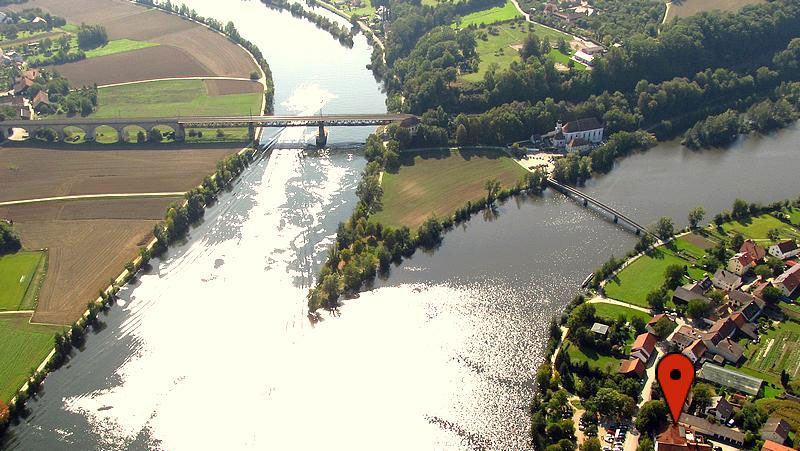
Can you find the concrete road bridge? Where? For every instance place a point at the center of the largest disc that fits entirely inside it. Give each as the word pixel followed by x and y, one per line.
pixel 180 124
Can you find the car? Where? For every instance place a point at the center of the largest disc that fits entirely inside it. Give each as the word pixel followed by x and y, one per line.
pixel 581 427
pixel 608 439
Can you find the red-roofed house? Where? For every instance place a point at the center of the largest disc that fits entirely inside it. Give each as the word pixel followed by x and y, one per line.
pixel 632 367
pixel 695 351
pixel 741 263
pixel 680 438
pixel 753 249
pixel 769 445
pixel 643 346
pixel 788 281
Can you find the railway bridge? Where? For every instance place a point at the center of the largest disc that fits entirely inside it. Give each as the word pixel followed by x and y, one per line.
pixel 180 124
pixel 587 199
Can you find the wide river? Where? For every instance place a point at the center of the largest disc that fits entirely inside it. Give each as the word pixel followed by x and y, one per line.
pixel 212 350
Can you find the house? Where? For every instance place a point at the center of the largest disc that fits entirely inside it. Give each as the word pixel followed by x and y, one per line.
pixel 684 336
pixel 411 124
pixel 746 304
pixel 688 292
pixel 769 445
pixel 712 431
pixel 695 350
pixel 632 367
pixel 578 145
pixel 788 281
pixel 704 284
pixel 550 8
pixel 756 251
pixel 724 347
pixel 14 56
pixel 652 323
pixel 724 327
pixel 776 430
pixel 720 408
pixel 584 58
pixel 589 129
pixel 566 16
pixel 593 49
pixel 680 438
pixel 784 250
pixel 643 346
pixel 39 22
pixel 41 98
pixel 744 326
pixel 22 84
pixel 600 328
pixel 741 263
pixel 726 280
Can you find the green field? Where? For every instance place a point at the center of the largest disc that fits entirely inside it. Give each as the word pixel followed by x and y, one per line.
pixel 489 16
pixel 559 57
pixel 16 277
pixel 493 45
pixel 777 350
pixel 23 347
pixel 438 182
pixel 595 360
pixel 610 312
pixel 646 274
pixel 171 98
pixel 118 46
pixel 757 227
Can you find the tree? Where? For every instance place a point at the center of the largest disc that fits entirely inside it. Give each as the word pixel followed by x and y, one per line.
pixel 663 327
pixel 698 308
pixel 703 394
pixel 737 241
pixel 462 136
pixel 771 295
pixel 154 135
pixel 4 414
pixel 763 271
pixel 645 444
pixel 776 264
pixel 638 324
pixel 651 416
pixel 591 444
pixel 673 276
pixel 91 36
pixel 140 138
pixel 696 215
pixel 664 228
pixel 656 299
pixel 492 187
pixel 784 378
pixel 543 375
pixel 610 403
pixel 774 234
pixel 370 192
pixel 740 209
pixel 582 315
pixel 531 47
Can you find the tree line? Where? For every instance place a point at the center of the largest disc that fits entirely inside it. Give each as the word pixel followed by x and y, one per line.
pixel 342 34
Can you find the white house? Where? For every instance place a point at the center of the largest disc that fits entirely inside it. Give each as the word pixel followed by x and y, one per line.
pixel 784 250
pixel 741 263
pixel 643 346
pixel 695 351
pixel 589 129
pixel 584 57
pixel 788 281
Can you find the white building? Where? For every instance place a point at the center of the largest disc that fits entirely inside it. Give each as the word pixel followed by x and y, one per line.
pixel 589 129
pixel 584 57
pixel 741 263
pixel 784 250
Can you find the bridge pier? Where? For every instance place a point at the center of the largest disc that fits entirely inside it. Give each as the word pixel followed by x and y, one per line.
pixel 180 133
pixel 585 203
pixel 322 135
pixel 251 131
pixel 616 219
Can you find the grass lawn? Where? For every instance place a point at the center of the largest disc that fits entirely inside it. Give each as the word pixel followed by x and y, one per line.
pixel 777 350
pixel 210 135
pixel 489 16
pixel 438 182
pixel 559 57
pixel 118 46
pixel 611 312
pixel 688 8
pixel 16 274
pixel 757 227
pixel 598 361
pixel 646 274
pixel 171 98
pixel 23 346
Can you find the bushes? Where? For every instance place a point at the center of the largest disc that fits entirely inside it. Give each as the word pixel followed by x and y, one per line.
pixel 92 36
pixel 9 240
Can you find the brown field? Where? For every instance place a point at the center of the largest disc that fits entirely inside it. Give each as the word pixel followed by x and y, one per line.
pixel 87 245
pixel 225 87
pixel 142 64
pixel 211 53
pixel 29 173
pixel 686 8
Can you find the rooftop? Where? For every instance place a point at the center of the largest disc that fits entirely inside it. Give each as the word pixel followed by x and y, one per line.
pixel 582 125
pixel 729 378
pixel 600 328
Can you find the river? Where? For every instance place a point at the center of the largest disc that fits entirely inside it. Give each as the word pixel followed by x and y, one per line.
pixel 211 349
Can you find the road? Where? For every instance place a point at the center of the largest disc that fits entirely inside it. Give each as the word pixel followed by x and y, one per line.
pixel 91 196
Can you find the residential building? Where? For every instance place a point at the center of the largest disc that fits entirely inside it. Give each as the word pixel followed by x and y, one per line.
pixel 652 323
pixel 744 326
pixel 632 367
pixel 729 378
pixel 769 445
pixel 788 281
pixel 726 280
pixel 784 249
pixel 680 438
pixel 712 431
pixel 756 251
pixel 724 347
pixel 589 129
pixel 686 293
pixel 695 350
pixel 578 145
pixel 741 263
pixel 775 429
pixel 644 346
pixel 584 57
pixel 40 99
pixel 685 336
pixel 720 408
pixel 593 49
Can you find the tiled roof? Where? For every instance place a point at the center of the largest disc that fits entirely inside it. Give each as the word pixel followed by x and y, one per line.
pixel 646 341
pixel 582 125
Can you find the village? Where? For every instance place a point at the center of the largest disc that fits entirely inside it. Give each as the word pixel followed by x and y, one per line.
pixel 725 297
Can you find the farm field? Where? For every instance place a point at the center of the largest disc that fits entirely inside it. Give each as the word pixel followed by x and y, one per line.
pixel 29 172
pixel 16 274
pixel 438 182
pixel 786 409
pixel 489 16
pixel 686 8
pixel 88 241
pixel 777 350
pixel 494 46
pixel 610 312
pixel 191 49
pixel 23 346
pixel 646 274
pixel 169 98
pixel 118 46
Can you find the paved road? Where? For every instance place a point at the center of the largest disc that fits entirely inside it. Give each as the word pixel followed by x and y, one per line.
pixel 91 196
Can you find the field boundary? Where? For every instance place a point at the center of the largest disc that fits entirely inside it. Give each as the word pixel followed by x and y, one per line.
pixel 31 296
pixel 112 85
pixel 92 196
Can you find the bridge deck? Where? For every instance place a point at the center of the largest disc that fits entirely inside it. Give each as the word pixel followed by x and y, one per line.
pixel 598 203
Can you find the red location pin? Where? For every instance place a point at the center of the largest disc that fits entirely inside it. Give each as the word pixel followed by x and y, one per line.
pixel 675 373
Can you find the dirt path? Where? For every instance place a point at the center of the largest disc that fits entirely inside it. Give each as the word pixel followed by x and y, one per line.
pixel 600 299
pixel 90 196
pixel 176 78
